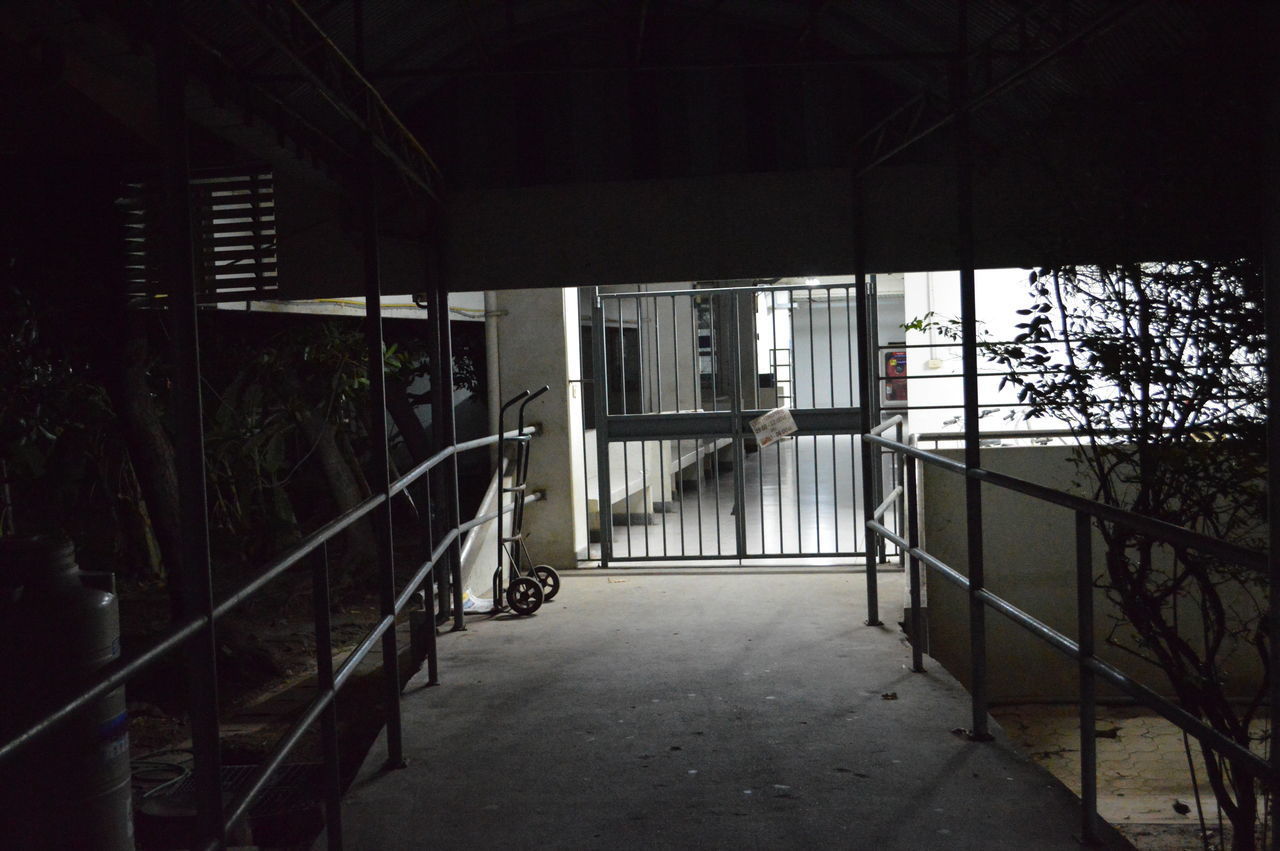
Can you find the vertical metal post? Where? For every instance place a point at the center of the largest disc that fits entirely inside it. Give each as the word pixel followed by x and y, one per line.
pixel 444 425
pixel 871 371
pixel 913 541
pixel 1271 310
pixel 324 683
pixel 1088 687
pixel 193 574
pixel 739 448
pixel 899 468
pixel 428 627
pixel 969 360
pixel 601 398
pixel 645 403
pixel 865 356
pixel 381 477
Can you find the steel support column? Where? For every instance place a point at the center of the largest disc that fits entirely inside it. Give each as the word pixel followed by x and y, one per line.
pixel 866 362
pixel 969 360
pixel 445 429
pixel 1271 309
pixel 193 573
pixel 381 475
pixel 599 339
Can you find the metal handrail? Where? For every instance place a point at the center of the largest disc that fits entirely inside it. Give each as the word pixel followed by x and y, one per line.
pixel 915 437
pixel 239 807
pixel 117 674
pixel 1082 651
pixel 1138 522
pixel 894 420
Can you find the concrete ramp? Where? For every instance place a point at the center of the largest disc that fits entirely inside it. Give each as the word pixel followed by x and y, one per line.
pixel 735 710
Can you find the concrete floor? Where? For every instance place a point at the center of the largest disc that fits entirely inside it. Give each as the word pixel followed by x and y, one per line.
pixel 744 709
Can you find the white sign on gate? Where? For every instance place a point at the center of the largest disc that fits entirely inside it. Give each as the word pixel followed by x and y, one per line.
pixel 773 426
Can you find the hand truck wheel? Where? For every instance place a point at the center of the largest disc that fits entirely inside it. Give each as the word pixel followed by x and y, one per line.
pixel 549 580
pixel 524 595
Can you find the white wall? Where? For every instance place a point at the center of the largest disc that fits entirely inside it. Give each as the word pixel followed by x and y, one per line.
pixel 1029 561
pixel 537 332
pixel 999 294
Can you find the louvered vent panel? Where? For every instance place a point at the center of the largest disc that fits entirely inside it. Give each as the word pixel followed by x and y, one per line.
pixel 233 222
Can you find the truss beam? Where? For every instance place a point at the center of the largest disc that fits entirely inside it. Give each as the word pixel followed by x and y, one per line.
pixel 996 64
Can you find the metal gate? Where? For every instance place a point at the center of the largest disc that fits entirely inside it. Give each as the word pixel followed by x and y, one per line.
pixel 677 376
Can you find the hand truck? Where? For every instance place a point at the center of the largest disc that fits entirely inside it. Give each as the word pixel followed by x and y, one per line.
pixel 523 585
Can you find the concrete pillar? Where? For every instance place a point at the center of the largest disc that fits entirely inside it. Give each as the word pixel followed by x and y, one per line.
pixel 537 336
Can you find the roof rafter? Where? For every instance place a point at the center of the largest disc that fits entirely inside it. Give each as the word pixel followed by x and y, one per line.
pixel 1036 36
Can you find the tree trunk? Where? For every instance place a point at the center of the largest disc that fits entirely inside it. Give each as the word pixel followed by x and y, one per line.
pixel 343 484
pixel 407 423
pixel 150 449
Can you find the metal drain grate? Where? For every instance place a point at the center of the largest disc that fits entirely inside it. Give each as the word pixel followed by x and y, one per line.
pixel 293 786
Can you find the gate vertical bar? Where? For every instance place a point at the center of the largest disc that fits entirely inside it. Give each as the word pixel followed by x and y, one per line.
pixel 715 397
pixel 645 403
pixel 700 404
pixel 193 576
pixel 381 480
pixel 831 378
pixel 969 359
pixel 795 440
pixel 1088 685
pixel 865 355
pixel 777 390
pixel 678 482
pixel 813 439
pixel 626 445
pixel 739 447
pixel 849 326
pixel 664 473
pixel 599 362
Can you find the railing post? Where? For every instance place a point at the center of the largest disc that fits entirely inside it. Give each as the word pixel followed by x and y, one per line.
pixel 193 574
pixel 422 625
pixel 1088 685
pixel 913 539
pixel 900 474
pixel 324 683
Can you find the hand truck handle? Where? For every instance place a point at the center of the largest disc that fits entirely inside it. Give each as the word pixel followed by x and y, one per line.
pixel 534 395
pixel 512 401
